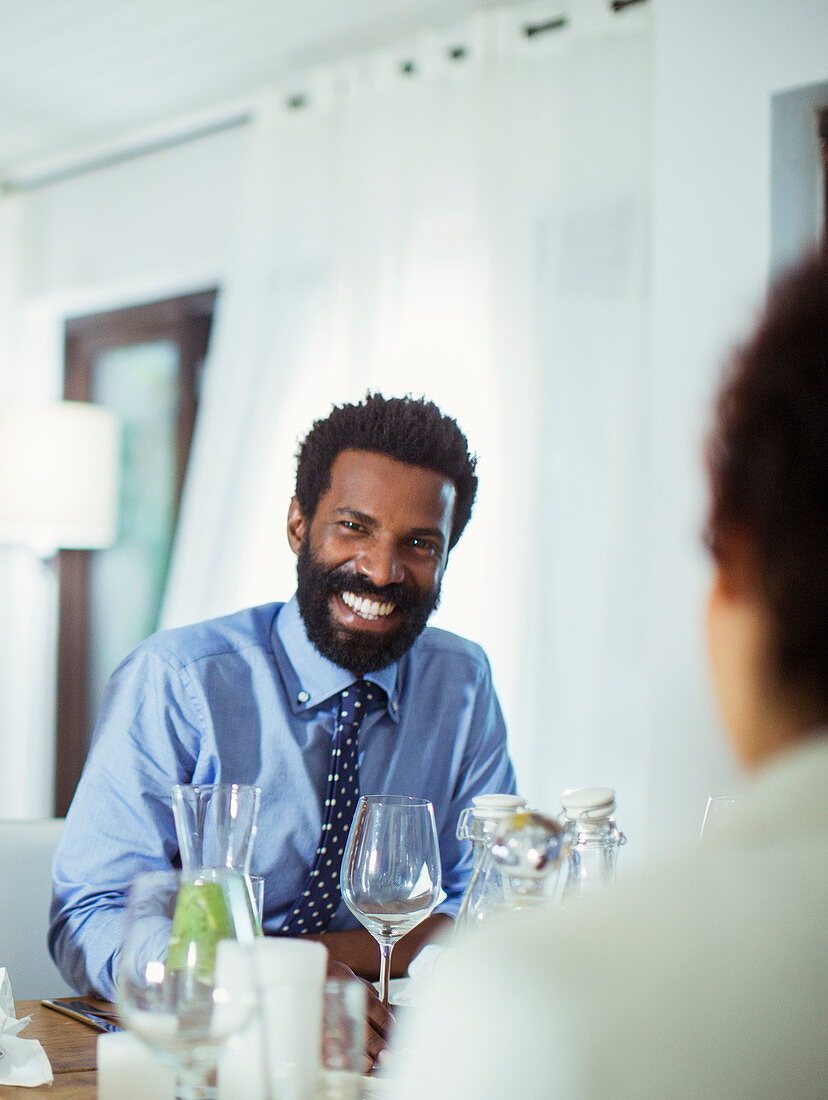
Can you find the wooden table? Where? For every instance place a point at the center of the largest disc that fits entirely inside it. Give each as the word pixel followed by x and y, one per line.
pixel 70 1046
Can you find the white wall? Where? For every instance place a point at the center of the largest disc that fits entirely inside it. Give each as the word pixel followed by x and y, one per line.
pixel 717 63
pixel 145 229
pixel 167 212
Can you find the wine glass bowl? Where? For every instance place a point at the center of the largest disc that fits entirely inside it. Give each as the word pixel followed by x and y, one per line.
pixel 168 988
pixel 391 874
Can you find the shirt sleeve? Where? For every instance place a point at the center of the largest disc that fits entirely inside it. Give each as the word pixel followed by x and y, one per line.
pixel 482 766
pixel 120 821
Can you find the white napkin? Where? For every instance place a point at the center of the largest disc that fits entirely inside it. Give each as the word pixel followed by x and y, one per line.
pixel 406 993
pixel 22 1061
pixel 409 991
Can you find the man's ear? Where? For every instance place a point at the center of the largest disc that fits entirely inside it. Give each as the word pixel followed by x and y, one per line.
pixel 297 526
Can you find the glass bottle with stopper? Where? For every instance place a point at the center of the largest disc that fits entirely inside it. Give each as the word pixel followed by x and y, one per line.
pixel 529 849
pixel 594 840
pixel 487 891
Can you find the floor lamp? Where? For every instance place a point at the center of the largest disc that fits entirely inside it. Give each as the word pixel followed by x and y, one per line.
pixel 59 467
pixel 59 481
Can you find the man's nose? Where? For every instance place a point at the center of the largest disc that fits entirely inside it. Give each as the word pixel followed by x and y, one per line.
pixel 381 564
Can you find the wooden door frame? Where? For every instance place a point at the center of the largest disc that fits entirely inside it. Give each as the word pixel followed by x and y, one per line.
pixel 184 321
pixel 823 140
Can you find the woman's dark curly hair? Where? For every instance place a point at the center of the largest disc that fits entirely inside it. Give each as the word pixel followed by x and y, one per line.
pixel 767 458
pixel 408 429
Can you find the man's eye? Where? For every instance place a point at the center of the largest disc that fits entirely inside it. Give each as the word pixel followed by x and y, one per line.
pixel 424 544
pixel 351 525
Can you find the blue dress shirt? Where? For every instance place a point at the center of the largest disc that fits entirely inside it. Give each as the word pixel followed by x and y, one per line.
pixel 248 699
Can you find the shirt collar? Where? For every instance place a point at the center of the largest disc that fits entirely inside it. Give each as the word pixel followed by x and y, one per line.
pixel 310 678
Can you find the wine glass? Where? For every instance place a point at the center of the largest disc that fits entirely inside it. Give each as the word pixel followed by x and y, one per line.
pixel 168 988
pixel 717 813
pixel 390 877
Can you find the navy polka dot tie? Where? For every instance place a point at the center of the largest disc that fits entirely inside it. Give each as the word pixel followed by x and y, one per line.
pixel 317 903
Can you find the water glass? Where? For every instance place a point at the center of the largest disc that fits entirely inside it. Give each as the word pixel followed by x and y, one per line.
pixel 256 886
pixel 717 813
pixel 344 1015
pixel 172 992
pixel 277 1057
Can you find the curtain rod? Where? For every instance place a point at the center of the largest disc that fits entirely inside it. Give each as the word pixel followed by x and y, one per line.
pixel 26 184
pixel 140 148
pixel 531 29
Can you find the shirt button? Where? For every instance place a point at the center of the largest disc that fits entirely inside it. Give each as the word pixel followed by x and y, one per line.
pixel 302 697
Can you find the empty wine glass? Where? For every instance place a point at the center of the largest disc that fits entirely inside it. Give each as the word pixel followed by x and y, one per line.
pixel 169 996
pixel 390 877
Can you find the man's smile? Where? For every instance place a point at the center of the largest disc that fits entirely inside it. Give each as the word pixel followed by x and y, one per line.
pixel 367 608
pixel 364 612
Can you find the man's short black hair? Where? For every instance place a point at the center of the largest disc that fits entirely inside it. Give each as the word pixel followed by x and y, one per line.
pixel 408 429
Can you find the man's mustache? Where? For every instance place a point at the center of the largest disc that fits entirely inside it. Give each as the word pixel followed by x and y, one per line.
pixel 345 580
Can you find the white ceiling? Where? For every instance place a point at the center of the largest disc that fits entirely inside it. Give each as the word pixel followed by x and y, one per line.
pixel 76 73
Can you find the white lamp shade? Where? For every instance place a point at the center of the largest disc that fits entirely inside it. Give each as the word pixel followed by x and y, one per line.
pixel 59 474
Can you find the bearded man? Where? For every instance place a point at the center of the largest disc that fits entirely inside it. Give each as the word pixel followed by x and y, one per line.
pixel 384 489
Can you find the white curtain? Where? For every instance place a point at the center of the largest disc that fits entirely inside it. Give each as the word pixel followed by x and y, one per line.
pixel 464 216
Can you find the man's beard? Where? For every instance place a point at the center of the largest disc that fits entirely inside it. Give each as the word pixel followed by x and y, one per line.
pixel 360 651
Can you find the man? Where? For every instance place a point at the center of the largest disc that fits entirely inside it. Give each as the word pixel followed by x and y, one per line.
pixel 708 978
pixel 384 490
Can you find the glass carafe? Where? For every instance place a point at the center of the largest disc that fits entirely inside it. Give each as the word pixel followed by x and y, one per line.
pixel 487 891
pixel 216 826
pixel 594 840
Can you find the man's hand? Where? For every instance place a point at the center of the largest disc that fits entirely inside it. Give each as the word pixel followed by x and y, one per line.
pixel 379 1019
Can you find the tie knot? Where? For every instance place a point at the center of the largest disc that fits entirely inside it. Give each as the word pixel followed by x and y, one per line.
pixel 362 693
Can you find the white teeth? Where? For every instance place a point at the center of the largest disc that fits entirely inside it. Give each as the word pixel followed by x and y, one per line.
pixel 365 608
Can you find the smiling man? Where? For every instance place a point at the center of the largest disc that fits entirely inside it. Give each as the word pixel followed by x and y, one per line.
pixel 371 559
pixel 384 489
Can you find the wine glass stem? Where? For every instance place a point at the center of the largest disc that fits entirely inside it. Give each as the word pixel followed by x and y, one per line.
pixel 385 967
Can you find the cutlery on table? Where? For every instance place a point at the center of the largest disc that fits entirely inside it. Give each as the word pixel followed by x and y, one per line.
pixel 80 1010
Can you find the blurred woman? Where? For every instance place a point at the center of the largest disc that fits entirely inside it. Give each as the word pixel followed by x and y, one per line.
pixel 767 458
pixel 709 977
